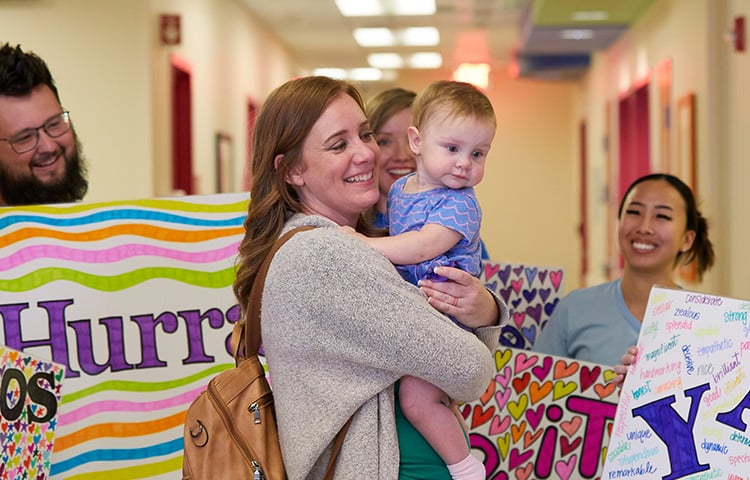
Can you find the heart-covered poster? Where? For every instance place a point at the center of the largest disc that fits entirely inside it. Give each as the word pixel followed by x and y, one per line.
pixel 543 417
pixel 685 403
pixel 531 292
pixel 30 390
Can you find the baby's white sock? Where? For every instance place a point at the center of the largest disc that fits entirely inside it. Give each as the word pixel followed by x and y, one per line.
pixel 470 468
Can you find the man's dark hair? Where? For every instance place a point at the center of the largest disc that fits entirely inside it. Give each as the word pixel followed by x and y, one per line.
pixel 21 71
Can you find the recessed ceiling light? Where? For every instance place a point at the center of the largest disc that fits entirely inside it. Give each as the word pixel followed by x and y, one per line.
pixel 589 16
pixel 374 37
pixel 360 8
pixel 426 60
pixel 419 36
pixel 577 34
pixel 338 73
pixel 369 8
pixel 385 60
pixel 365 74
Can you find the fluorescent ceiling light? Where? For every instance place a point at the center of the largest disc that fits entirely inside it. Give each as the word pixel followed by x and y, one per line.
pixel 374 37
pixel 365 74
pixel 577 34
pixel 426 60
pixel 411 7
pixel 360 8
pixel 369 8
pixel 589 16
pixel 419 36
pixel 385 60
pixel 337 73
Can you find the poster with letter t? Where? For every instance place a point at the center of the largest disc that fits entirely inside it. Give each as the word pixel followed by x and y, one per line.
pixel 685 405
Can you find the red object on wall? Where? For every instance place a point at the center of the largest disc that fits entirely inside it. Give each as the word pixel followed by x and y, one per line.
pixel 169 29
pixel 739 34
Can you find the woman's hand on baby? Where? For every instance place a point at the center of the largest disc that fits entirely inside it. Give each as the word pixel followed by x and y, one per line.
pixel 463 296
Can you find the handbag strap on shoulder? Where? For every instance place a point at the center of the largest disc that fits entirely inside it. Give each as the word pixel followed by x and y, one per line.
pixel 252 332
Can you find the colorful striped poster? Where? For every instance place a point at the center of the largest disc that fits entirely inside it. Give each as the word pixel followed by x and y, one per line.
pixel 134 300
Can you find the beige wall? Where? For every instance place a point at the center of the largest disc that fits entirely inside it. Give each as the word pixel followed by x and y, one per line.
pixel 689 33
pixel 97 52
pixel 113 75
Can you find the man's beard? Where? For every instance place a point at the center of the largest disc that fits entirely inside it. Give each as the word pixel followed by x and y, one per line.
pixel 29 190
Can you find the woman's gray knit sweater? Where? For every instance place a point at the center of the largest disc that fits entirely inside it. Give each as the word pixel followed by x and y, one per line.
pixel 339 327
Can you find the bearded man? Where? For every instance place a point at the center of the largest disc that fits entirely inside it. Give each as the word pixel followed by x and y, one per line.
pixel 40 155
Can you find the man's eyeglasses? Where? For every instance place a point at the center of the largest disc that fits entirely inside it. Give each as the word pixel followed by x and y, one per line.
pixel 27 140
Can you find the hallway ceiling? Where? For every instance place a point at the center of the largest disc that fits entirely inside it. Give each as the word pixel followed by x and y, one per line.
pixel 525 34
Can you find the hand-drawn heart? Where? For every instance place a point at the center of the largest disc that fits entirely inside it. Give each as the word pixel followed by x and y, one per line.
pixel 523 473
pixel 498 426
pixel 503 442
pixel 538 392
pixel 564 469
pixel 563 369
pixel 542 275
pixel 516 431
pixel 608 375
pixel 502 357
pixel 517 459
pixel 535 312
pixel 520 383
pixel 501 398
pixel 480 416
pixel 550 307
pixel 541 371
pixel 530 274
pixel 488 394
pixel 529 438
pixel 604 391
pixel 516 302
pixel 567 447
pixel 563 389
pixel 516 409
pixel 516 284
pixel 535 416
pixel 466 411
pixel 524 361
pixel 503 377
pixel 529 295
pixel 518 318
pixel 491 285
pixel 505 293
pixel 588 376
pixel 529 333
pixel 517 270
pixel 544 293
pixel 571 427
pixel 556 277
pixel 490 269
pixel 504 274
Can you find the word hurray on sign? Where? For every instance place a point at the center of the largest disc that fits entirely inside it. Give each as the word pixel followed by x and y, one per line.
pixel 531 293
pixel 685 404
pixel 134 299
pixel 30 391
pixel 543 417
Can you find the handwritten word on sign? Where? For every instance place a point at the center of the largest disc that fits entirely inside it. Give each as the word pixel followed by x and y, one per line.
pixel 543 417
pixel 682 404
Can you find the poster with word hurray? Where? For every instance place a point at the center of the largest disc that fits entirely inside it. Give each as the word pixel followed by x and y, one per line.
pixel 543 417
pixel 134 299
pixel 685 404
